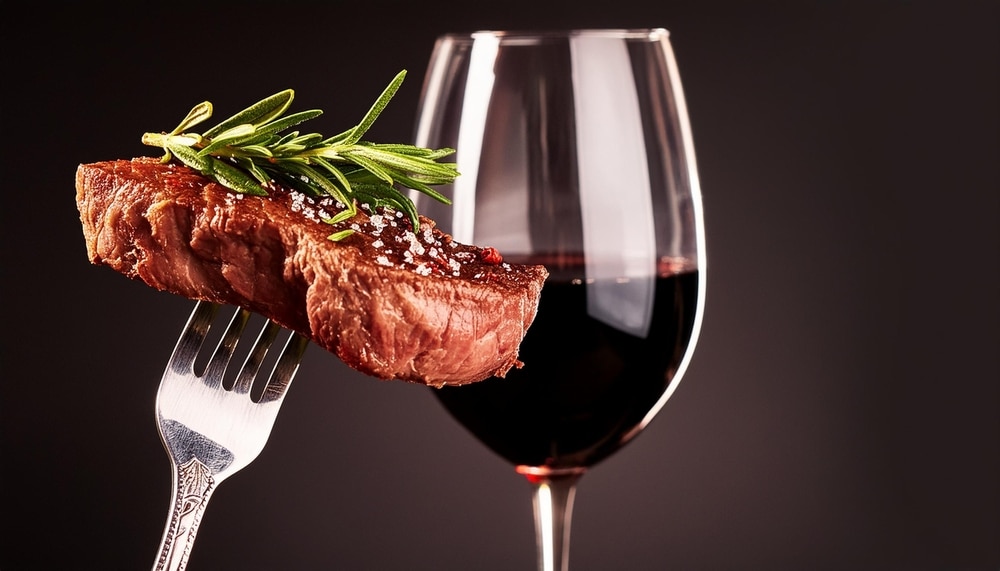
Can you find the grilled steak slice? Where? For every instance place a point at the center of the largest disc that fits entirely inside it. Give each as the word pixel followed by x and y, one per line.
pixel 390 303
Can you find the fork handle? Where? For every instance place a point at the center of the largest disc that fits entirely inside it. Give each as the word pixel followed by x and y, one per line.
pixel 193 486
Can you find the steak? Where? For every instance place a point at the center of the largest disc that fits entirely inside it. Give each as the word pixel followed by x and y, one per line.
pixel 389 302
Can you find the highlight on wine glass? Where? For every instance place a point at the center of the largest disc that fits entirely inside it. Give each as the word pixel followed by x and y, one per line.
pixel 574 151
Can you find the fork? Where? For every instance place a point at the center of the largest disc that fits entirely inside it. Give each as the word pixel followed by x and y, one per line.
pixel 211 432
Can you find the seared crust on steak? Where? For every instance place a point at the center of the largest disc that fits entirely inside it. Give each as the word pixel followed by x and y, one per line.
pixel 390 303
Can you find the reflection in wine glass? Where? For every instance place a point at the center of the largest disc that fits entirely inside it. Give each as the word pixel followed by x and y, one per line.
pixel 575 152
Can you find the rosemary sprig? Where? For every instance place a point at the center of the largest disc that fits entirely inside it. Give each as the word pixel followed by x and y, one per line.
pixel 250 151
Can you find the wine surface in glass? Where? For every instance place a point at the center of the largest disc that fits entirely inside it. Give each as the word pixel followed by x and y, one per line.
pixel 585 385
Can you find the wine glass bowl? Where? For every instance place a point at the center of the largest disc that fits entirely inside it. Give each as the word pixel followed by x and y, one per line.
pixel 574 151
pixel 587 387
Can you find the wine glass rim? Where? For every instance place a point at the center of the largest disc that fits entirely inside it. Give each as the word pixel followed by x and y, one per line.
pixel 533 35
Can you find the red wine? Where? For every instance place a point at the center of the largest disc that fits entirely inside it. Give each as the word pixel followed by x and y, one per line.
pixel 585 385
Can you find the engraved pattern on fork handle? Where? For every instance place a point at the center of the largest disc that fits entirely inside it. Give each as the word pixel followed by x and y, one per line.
pixel 195 485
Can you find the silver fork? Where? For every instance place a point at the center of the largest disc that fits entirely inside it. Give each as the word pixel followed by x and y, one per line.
pixel 210 432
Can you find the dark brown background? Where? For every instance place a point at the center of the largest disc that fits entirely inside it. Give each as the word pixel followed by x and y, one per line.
pixel 841 411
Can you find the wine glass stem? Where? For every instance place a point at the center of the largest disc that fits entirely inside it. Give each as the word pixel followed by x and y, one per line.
pixel 553 503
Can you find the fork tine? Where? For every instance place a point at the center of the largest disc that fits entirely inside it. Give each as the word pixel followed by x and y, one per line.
pixel 217 365
pixel 285 369
pixel 192 338
pixel 256 356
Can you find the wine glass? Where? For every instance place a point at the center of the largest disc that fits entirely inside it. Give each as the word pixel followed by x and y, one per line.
pixel 575 152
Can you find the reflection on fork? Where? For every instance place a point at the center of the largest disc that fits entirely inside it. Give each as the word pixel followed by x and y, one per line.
pixel 211 432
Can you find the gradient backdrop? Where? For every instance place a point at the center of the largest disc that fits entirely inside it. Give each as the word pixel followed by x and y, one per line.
pixel 841 411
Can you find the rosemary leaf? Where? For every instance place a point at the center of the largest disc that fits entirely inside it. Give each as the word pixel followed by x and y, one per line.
pixel 290 121
pixel 232 137
pixel 338 236
pixel 234 178
pixel 198 114
pixel 258 113
pixel 376 109
pixel 189 157
pixel 371 166
pixel 313 178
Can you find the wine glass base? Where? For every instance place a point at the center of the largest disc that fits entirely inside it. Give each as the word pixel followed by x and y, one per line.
pixel 548 473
